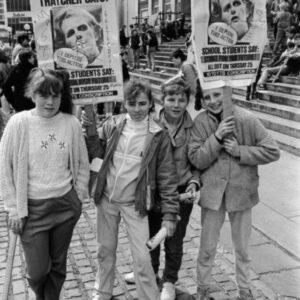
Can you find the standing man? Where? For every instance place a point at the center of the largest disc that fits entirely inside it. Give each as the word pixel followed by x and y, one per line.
pixel 227 153
pixel 22 43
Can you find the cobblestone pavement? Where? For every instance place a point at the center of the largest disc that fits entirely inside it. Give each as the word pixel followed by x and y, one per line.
pixel 82 265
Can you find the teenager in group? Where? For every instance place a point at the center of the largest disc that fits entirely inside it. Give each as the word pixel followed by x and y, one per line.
pixel 177 121
pixel 227 152
pixel 44 173
pixel 137 173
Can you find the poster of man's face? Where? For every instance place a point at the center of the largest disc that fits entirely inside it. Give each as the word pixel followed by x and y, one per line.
pixel 78 36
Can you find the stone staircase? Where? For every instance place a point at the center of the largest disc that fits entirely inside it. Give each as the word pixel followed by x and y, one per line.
pixel 278 107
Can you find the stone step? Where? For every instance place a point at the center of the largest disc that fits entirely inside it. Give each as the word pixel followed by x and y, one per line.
pixel 287 143
pixel 155 81
pixel 284 126
pixel 164 75
pixel 285 88
pixel 172 47
pixel 166 53
pixel 171 70
pixel 282 111
pixel 280 98
pixel 289 79
pixel 165 63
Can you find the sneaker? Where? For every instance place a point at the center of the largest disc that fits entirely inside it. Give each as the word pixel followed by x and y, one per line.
pixel 129 278
pixel 168 291
pixel 203 294
pixel 245 295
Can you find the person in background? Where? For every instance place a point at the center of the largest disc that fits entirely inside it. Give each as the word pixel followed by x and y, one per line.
pixel 152 46
pixel 135 43
pixel 284 18
pixel 15 84
pixel 182 24
pixel 22 44
pixel 44 173
pixel 282 66
pixel 137 173
pixel 123 38
pixel 227 152
pixel 189 74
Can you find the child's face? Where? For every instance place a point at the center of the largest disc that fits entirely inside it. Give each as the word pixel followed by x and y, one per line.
pixel 175 106
pixel 213 100
pixel 47 107
pixel 138 109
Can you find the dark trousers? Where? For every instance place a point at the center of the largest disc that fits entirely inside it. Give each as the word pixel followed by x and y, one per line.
pixel 173 245
pixel 45 239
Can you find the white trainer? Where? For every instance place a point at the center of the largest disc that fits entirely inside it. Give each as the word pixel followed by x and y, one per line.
pixel 129 278
pixel 168 291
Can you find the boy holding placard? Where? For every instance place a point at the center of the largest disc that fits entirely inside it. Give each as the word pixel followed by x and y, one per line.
pixel 227 148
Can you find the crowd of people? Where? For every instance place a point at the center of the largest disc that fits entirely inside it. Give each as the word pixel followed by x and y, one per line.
pixel 144 39
pixel 283 16
pixel 150 155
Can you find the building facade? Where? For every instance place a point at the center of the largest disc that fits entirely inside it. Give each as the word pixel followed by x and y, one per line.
pixel 17 15
pixel 147 8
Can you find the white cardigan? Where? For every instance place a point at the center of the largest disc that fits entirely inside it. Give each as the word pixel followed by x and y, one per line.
pixel 14 163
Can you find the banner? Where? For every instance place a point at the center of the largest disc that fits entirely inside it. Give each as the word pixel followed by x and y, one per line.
pixel 82 37
pixel 229 40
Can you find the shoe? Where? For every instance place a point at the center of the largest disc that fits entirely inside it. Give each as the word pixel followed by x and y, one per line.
pixel 129 278
pixel 203 294
pixel 245 295
pixel 168 291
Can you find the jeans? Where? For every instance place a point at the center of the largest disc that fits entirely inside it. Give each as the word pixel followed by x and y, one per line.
pixel 108 219
pixel 212 222
pixel 173 245
pixel 45 239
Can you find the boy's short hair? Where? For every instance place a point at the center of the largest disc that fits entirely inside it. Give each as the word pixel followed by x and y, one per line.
pixel 175 86
pixel 134 87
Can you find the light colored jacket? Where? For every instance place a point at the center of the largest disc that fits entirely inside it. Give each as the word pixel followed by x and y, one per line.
pixel 157 179
pixel 14 162
pixel 226 177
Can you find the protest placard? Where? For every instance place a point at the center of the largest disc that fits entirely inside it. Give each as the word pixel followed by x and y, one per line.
pixel 229 37
pixel 82 37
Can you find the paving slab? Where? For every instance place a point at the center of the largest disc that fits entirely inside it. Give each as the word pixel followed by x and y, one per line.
pixel 269 258
pixel 284 283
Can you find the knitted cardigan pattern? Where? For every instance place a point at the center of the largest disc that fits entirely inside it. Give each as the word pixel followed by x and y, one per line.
pixel 14 148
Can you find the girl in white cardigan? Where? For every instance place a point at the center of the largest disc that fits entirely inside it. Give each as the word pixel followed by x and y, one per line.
pixel 44 173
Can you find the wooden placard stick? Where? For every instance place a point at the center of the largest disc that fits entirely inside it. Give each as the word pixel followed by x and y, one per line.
pixel 89 110
pixel 227 102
